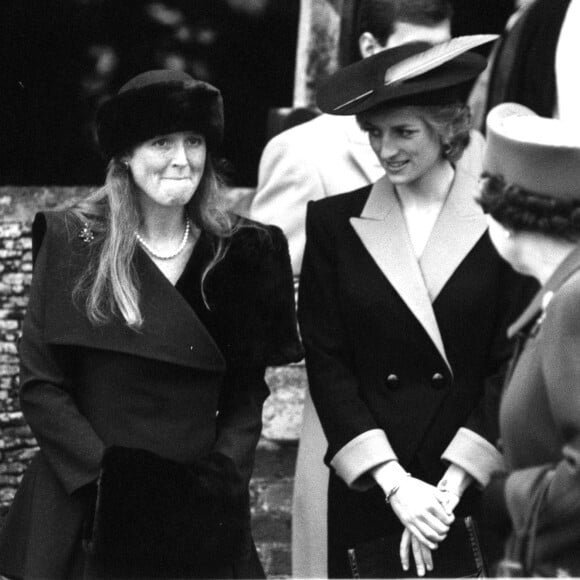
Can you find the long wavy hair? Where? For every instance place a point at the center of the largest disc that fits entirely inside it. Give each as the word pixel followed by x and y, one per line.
pixel 109 286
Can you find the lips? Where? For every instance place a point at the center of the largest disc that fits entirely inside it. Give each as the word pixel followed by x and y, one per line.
pixel 395 165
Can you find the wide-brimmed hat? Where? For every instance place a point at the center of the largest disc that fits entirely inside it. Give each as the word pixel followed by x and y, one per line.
pixel 413 73
pixel 537 154
pixel 159 102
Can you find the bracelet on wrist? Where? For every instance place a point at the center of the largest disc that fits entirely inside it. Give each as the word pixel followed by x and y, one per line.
pixel 389 495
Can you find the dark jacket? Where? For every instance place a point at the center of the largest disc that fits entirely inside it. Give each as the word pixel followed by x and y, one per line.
pixel 180 388
pixel 540 426
pixel 404 358
pixel 523 70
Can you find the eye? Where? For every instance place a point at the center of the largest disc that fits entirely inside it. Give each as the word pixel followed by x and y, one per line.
pixel 195 140
pixel 372 131
pixel 160 142
pixel 406 133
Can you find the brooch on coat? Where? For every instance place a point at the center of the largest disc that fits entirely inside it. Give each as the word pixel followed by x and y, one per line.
pixel 86 234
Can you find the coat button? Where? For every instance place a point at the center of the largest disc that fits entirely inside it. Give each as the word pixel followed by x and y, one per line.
pixel 392 381
pixel 437 381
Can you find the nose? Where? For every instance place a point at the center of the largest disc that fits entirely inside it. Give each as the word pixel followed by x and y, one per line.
pixel 388 147
pixel 179 154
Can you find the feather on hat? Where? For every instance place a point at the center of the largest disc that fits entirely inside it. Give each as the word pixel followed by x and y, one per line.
pixel 413 73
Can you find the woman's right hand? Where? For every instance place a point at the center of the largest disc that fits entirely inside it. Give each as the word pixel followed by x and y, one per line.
pixel 419 507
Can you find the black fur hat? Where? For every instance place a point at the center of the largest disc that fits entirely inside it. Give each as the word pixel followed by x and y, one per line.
pixel 159 102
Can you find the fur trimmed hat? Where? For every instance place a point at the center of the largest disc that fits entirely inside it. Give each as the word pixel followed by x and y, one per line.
pixel 415 73
pixel 159 102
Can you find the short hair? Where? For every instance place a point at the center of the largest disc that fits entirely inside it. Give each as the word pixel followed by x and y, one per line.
pixel 379 16
pixel 452 123
pixel 521 210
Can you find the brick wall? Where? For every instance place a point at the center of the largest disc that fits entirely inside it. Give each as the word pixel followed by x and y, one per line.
pixel 271 486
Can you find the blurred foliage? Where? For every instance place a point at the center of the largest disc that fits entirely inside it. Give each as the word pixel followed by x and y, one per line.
pixel 61 58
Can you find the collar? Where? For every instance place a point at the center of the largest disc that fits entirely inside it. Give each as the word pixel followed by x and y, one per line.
pixel 539 303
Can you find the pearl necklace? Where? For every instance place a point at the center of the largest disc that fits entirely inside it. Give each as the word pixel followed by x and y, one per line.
pixel 169 256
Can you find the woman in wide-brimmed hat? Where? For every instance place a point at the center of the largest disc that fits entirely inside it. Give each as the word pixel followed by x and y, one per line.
pixel 153 313
pixel 531 192
pixel 403 307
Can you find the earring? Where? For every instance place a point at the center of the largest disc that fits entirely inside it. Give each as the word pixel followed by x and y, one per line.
pixel 446 149
pixel 125 165
pixel 507 234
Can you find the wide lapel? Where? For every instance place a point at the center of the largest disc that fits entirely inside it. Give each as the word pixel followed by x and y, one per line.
pixel 172 331
pixel 459 226
pixel 170 319
pixel 383 233
pixel 361 152
pixel 540 301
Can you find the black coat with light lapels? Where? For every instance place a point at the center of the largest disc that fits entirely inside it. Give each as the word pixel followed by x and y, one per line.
pixel 191 382
pixel 404 356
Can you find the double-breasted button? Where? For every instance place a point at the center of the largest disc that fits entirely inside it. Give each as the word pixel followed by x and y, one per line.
pixel 437 381
pixel 392 381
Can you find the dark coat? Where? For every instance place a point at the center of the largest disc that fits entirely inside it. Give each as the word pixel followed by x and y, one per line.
pixel 181 388
pixel 411 350
pixel 523 70
pixel 540 425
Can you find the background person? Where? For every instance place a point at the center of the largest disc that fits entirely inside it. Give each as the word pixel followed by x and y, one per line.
pixel 532 195
pixel 403 309
pixel 534 64
pixel 152 316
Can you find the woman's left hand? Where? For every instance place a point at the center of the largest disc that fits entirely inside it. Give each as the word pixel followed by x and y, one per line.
pixel 421 553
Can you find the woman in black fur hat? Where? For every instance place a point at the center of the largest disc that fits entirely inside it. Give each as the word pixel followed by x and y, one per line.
pixel 153 314
pixel 403 309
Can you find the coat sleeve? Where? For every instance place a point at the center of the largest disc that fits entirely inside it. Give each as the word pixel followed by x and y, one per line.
pixel 356 443
pixel 473 448
pixel 66 439
pixel 239 421
pixel 559 346
pixel 255 326
pixel 287 181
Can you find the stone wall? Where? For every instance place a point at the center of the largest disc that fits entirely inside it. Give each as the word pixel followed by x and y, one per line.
pixel 271 486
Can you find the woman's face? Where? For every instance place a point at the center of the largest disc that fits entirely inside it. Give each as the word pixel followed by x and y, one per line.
pixel 406 146
pixel 169 168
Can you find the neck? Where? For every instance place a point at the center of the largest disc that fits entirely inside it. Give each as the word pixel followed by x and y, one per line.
pixel 432 187
pixel 540 255
pixel 163 222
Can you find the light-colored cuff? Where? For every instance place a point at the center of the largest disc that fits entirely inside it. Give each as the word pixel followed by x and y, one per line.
pixel 353 462
pixel 474 454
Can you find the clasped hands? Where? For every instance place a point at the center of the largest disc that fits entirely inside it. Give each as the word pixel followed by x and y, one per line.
pixel 426 511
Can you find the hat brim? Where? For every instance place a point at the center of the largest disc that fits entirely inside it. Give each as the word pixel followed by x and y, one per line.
pixel 361 86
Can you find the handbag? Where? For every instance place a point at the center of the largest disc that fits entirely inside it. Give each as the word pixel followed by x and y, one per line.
pixel 459 556
pixel 155 517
